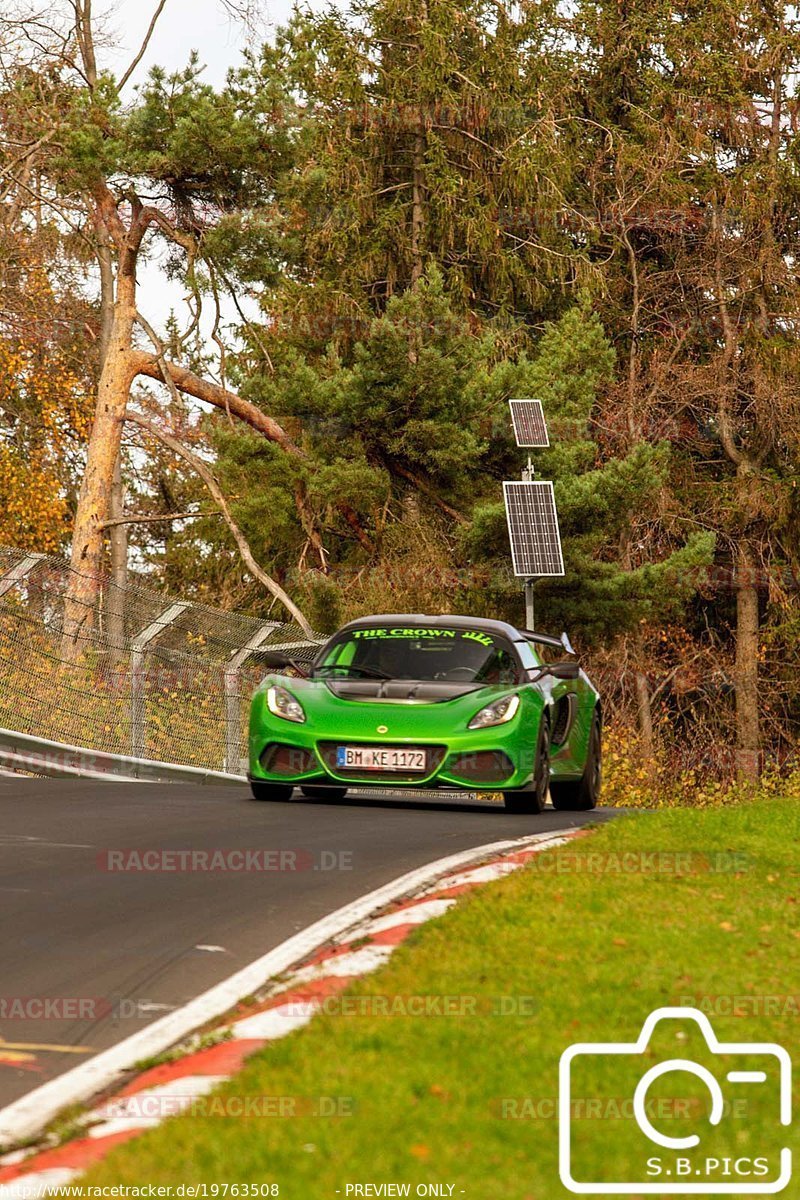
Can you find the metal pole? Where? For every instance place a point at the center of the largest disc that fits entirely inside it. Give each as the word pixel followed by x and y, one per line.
pixel 528 475
pixel 233 712
pixel 233 719
pixel 137 703
pixel 138 697
pixel 529 616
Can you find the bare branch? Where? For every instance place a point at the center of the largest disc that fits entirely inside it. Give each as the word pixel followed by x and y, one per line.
pixel 85 36
pixel 184 380
pixel 427 490
pixel 150 215
pixel 249 325
pixel 160 355
pixel 143 48
pixel 723 415
pixel 217 321
pixel 27 152
pixel 208 479
pixel 143 363
pixel 146 518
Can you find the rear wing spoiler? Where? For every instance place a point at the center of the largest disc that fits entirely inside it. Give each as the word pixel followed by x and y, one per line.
pixel 558 643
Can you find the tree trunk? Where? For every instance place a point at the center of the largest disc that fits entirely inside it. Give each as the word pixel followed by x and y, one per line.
pixel 417 208
pixel 122 362
pixel 645 720
pixel 418 178
pixel 94 502
pixel 645 711
pixel 644 706
pixel 118 560
pixel 747 629
pixel 118 533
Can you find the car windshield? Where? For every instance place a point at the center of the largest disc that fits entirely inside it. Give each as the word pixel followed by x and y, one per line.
pixel 397 652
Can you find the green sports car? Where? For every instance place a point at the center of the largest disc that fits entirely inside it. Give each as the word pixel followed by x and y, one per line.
pixel 430 702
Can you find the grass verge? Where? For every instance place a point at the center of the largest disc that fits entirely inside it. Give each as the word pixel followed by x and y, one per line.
pixel 650 910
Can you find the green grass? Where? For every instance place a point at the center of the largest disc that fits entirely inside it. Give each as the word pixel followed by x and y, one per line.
pixel 598 949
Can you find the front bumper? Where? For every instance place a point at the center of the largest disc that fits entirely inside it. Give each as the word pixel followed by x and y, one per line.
pixel 473 759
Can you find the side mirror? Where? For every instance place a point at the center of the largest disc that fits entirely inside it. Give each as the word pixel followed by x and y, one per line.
pixel 564 670
pixel 278 660
pixel 560 670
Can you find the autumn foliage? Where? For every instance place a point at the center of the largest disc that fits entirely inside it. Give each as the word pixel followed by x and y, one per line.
pixel 47 410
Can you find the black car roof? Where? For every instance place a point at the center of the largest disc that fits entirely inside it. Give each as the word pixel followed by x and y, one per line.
pixel 444 620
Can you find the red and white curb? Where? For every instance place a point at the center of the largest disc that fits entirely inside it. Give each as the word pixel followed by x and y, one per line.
pixel 324 959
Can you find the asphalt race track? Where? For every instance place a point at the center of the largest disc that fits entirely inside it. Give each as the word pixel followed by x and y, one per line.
pixel 89 954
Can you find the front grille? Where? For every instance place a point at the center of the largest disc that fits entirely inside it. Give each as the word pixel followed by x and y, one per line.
pixel 435 758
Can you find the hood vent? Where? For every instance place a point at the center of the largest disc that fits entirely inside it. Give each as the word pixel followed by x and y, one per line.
pixel 400 691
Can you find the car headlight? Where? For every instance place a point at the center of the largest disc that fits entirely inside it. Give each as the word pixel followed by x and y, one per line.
pixel 283 704
pixel 496 714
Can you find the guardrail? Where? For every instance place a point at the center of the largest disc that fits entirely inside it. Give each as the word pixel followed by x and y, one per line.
pixel 22 752
pixel 40 756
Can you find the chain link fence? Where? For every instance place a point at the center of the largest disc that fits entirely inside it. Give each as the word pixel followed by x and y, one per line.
pixel 151 676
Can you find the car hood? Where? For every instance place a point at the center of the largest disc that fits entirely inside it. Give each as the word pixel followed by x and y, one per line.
pixel 350 704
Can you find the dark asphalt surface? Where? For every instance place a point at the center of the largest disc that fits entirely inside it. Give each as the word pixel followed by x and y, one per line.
pixel 110 950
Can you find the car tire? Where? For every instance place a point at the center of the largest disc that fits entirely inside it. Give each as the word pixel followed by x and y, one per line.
pixel 270 791
pixel 533 801
pixel 579 795
pixel 324 793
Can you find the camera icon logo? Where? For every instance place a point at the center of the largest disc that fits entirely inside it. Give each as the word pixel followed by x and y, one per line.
pixel 615 1109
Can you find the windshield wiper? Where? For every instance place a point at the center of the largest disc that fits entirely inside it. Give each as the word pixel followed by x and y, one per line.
pixel 370 672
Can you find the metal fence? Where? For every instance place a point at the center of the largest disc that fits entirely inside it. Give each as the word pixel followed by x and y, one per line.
pixel 153 678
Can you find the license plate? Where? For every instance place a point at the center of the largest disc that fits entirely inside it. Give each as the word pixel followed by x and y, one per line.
pixel 380 758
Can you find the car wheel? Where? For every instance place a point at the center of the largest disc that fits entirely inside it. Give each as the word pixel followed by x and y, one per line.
pixel 579 795
pixel 533 801
pixel 324 793
pixel 270 791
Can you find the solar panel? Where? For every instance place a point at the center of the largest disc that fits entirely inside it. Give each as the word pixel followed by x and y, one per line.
pixel 533 528
pixel 530 428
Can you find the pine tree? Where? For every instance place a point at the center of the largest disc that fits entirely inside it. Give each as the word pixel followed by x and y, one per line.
pixel 603 500
pixel 430 134
pixel 692 181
